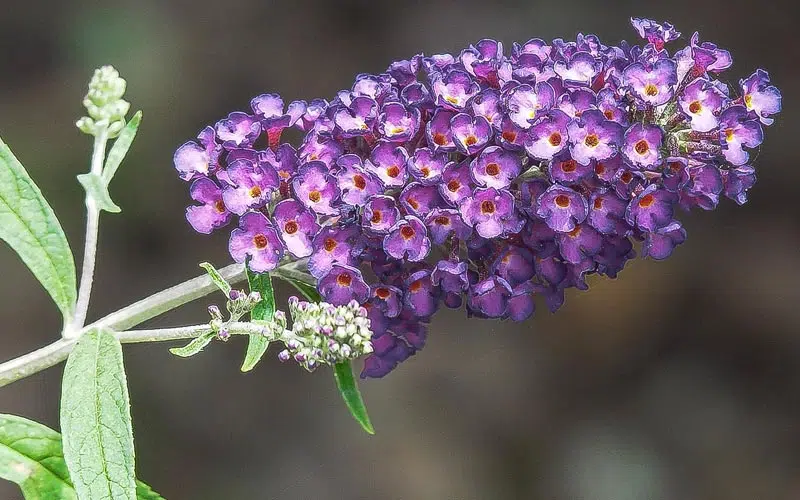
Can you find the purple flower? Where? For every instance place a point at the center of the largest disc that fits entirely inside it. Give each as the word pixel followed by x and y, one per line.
pixel 495 167
pixel 342 284
pixel 269 108
pixel 453 89
pixel 612 107
pixel 426 166
pixel 658 245
pixel 583 241
pixel 515 265
pixel 421 296
pixel 511 136
pixel 521 305
pixel 562 208
pixel 238 130
pixel 701 101
pixel 408 239
pixel 419 199
pixel 194 160
pixel 442 222
pixel 653 84
pixel 642 145
pixel 470 134
pixel 397 123
pixel 213 213
pixel 248 186
pixel 315 188
pixel 565 170
pixel 297 226
pixel 703 188
pixel 256 238
pixel 388 163
pixel 581 69
pixel 358 118
pixel 332 244
pixel 655 33
pixel 483 59
pixel 549 136
pixel 593 137
pixel 417 95
pixel 491 212
pixel 355 183
pixel 451 278
pixel 489 298
pixel 575 101
pixel 380 214
pixel 487 105
pixel 651 210
pixel 456 183
pixel 737 181
pixel 736 130
pixel 316 147
pixel 525 103
pixel 438 132
pixel 760 97
pixel 607 212
pixel 388 299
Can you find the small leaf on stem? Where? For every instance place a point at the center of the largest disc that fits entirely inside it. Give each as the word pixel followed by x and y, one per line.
pixel 121 147
pixel 217 278
pixel 193 347
pixel 96 188
pixel 346 382
pixel 263 311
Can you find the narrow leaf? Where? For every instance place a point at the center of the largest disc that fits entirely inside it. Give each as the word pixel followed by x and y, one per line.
pixel 263 311
pixel 309 292
pixel 217 278
pixel 121 147
pixel 193 347
pixel 346 382
pixel 29 226
pixel 31 456
pixel 96 420
pixel 96 188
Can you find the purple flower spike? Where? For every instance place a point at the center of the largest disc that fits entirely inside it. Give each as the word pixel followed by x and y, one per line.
pixel 453 89
pixel 408 239
pixel 388 162
pixel 342 284
pixel 701 101
pixel 419 199
pixel 654 84
pixel 655 33
pixel 238 130
pixel 495 167
pixel 248 186
pixel 213 213
pixel 426 166
pixel 760 97
pixel 581 69
pixel 256 238
pixel 651 209
pixel 438 132
pixel 315 188
pixel 451 278
pixel 358 118
pixel 194 160
pixel 456 183
pixel 442 222
pixel 487 104
pixel 660 244
pixel 525 103
pixel 331 245
pixel 388 299
pixel 489 298
pixel 736 130
pixel 297 226
pixel 593 137
pixel 355 183
pixel 421 296
pixel 562 208
pixel 470 134
pixel 548 137
pixel 380 214
pixel 397 123
pixel 582 242
pixel 491 212
pixel 642 145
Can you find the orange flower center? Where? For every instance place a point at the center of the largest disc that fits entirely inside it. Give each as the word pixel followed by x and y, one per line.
pixel 493 169
pixel 344 279
pixel 695 107
pixel 510 135
pixel 330 244
pixel 260 241
pixel 382 293
pixel 314 196
pixel 650 90
pixel 377 217
pixel 641 147
pixel 255 192
pixel 439 139
pixel 591 140
pixel 598 203
pixel 290 227
pixel 748 101
pixel 647 200
pixel 555 139
pixel 575 232
pixel 407 232
pixel 393 171
pixel 425 171
pixel 599 169
pixel 219 206
pixel 453 186
pixel 471 140
pixel 442 220
pixel 569 166
pixel 626 177
pixel 608 114
pixel 729 134
pixel 415 286
pixel 413 203
pixel 487 207
pixel 562 200
pixel 359 182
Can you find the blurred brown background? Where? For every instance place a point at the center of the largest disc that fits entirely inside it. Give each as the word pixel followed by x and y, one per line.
pixel 679 380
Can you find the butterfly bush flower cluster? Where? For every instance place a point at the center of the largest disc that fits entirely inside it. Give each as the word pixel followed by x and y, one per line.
pixel 481 179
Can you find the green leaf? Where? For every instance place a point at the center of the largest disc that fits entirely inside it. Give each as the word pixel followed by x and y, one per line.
pixel 96 419
pixel 217 278
pixel 346 382
pixel 309 291
pixel 193 347
pixel 120 148
pixel 97 189
pixel 29 226
pixel 263 311
pixel 31 456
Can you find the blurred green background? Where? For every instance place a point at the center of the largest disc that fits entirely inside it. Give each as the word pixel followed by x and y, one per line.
pixel 678 380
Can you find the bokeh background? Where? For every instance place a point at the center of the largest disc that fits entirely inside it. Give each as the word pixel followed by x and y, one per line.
pixel 678 380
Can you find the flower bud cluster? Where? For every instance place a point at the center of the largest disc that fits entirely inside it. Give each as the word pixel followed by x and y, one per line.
pixel 326 334
pixel 104 103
